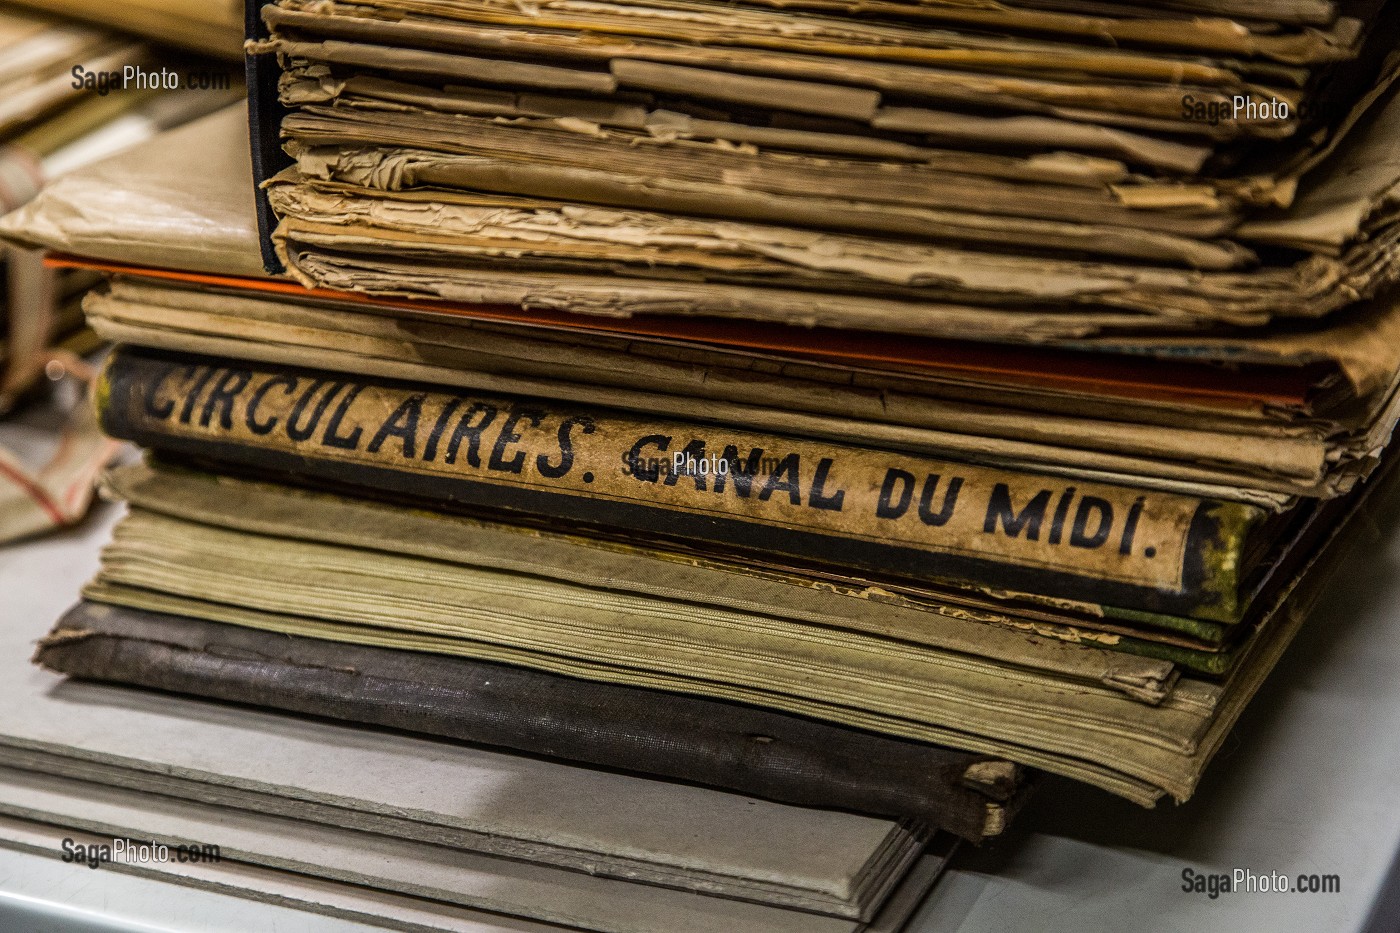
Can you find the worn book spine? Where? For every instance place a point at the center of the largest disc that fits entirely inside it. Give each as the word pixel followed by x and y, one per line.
pixel 886 514
pixel 726 745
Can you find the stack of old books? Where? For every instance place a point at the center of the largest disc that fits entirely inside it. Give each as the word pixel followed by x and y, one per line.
pixel 760 395
pixel 915 170
pixel 374 824
pixel 730 817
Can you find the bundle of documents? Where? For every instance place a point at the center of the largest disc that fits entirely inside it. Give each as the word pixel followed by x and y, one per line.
pixel 1013 173
pixel 854 406
pixel 61 107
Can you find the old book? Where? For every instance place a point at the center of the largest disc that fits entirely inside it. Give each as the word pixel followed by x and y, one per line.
pixel 730 47
pixel 947 624
pixel 1083 642
pixel 161 234
pixel 380 138
pixel 361 161
pixel 727 745
pixel 211 228
pixel 903 516
pixel 1135 653
pixel 157 563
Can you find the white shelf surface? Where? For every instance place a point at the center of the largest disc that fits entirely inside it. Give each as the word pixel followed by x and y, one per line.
pixel 1308 782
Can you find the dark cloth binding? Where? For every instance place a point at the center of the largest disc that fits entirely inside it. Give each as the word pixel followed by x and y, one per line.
pixel 265 113
pixel 331 433
pixel 726 745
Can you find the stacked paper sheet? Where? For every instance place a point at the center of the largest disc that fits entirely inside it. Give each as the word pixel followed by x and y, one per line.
pixel 432 829
pixel 862 171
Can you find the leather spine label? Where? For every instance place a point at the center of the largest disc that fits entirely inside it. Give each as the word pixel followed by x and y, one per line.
pixel 1103 532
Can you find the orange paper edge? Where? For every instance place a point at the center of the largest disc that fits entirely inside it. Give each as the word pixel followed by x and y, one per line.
pixel 1022 366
